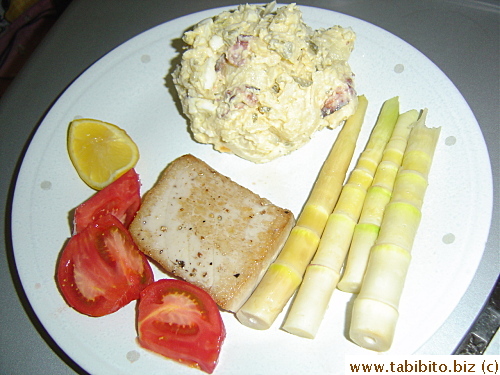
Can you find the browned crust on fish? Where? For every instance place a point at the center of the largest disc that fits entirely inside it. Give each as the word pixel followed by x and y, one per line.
pixel 202 227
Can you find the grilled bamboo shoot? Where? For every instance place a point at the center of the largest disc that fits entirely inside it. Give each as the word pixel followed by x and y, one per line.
pixel 375 310
pixel 308 308
pixel 285 274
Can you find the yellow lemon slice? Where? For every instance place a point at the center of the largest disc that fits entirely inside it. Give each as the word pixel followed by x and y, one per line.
pixel 100 152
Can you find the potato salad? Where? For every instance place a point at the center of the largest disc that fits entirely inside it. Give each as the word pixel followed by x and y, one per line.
pixel 259 82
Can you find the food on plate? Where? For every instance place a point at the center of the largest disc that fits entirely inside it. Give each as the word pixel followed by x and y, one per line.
pixel 100 152
pixel 285 274
pixel 259 83
pixel 323 272
pixel 122 198
pixel 375 309
pixel 206 229
pixel 378 195
pixel 101 270
pixel 182 322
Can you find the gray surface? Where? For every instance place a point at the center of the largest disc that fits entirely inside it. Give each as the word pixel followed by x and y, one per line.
pixel 461 37
pixel 477 341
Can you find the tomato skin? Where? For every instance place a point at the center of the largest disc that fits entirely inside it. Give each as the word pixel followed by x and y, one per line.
pixel 101 269
pixel 182 322
pixel 121 198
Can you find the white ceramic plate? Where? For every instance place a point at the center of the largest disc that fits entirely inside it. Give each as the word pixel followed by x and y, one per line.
pixel 127 87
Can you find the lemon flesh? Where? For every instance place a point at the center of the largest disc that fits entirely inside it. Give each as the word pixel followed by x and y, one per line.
pixel 100 152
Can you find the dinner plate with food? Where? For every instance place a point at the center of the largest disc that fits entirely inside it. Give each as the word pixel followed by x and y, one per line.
pixel 251 189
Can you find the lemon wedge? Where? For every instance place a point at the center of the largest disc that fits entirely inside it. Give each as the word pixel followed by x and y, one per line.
pixel 100 152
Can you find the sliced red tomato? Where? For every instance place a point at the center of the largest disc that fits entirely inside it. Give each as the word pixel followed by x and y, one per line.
pixel 101 269
pixel 182 322
pixel 121 198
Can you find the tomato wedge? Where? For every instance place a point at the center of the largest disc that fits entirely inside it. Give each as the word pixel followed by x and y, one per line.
pixel 101 269
pixel 121 198
pixel 182 322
